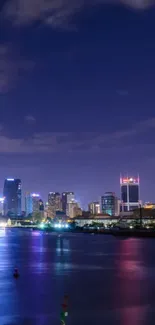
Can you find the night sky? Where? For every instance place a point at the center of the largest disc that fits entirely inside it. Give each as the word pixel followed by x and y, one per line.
pixel 77 95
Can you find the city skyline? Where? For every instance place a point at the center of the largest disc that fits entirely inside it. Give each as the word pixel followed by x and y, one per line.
pixel 77 195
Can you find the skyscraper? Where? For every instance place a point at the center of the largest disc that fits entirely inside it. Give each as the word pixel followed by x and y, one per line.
pixel 73 209
pixel 28 204
pixel 13 195
pixel 108 203
pixel 67 197
pixel 130 199
pixel 2 206
pixel 54 203
pixel 33 204
pixel 94 208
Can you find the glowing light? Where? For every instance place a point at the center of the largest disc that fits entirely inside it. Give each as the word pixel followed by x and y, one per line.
pixel 59 225
pixel 2 199
pixel 129 180
pixel 3 224
pixel 42 225
pixel 35 195
pixel 10 179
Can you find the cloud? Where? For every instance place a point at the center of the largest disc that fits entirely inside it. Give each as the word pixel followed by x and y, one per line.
pixel 57 12
pixel 30 119
pixel 52 142
pixel 11 66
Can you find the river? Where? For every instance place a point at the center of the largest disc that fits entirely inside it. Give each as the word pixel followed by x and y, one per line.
pixel 108 280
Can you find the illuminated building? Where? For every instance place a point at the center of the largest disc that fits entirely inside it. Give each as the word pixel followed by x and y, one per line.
pixel 33 203
pixel 46 210
pixel 149 205
pixel 117 206
pixel 12 194
pixel 73 209
pixel 94 208
pixel 2 206
pixel 60 216
pixel 129 193
pixel 41 205
pixel 109 203
pixel 28 204
pixel 67 197
pixel 54 203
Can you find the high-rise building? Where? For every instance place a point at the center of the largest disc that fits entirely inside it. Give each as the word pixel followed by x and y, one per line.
pixel 130 187
pixel 13 197
pixel 117 207
pixel 67 197
pixel 108 203
pixel 94 208
pixel 54 203
pixel 73 209
pixel 33 204
pixel 28 204
pixel 2 206
pixel 41 205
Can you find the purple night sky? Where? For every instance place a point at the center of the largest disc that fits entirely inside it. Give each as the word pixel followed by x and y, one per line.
pixel 77 95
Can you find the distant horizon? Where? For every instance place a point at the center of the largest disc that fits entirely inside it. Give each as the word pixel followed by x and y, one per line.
pixel 85 205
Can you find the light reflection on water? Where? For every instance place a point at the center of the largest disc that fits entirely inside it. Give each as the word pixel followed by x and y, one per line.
pixel 108 281
pixel 131 271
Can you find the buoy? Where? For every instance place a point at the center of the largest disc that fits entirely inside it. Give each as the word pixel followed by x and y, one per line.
pixel 64 311
pixel 16 273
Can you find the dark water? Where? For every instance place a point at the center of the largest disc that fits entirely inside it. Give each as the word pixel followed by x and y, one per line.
pixel 109 281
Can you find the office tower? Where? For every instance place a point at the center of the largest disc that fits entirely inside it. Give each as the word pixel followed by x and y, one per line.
pixel 28 204
pixel 129 193
pixel 13 195
pixel 35 203
pixel 94 208
pixel 46 210
pixel 73 209
pixel 2 206
pixel 41 205
pixel 54 203
pixel 117 207
pixel 108 203
pixel 67 197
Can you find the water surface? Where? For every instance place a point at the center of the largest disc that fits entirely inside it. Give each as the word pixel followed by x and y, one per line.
pixel 108 280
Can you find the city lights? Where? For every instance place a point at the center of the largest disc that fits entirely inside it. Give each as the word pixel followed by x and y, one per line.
pixel 59 225
pixel 2 224
pixel 35 195
pixel 42 225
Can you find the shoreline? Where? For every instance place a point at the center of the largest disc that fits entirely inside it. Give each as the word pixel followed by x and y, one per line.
pixel 136 233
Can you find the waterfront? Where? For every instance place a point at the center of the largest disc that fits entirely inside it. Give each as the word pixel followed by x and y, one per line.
pixel 108 280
